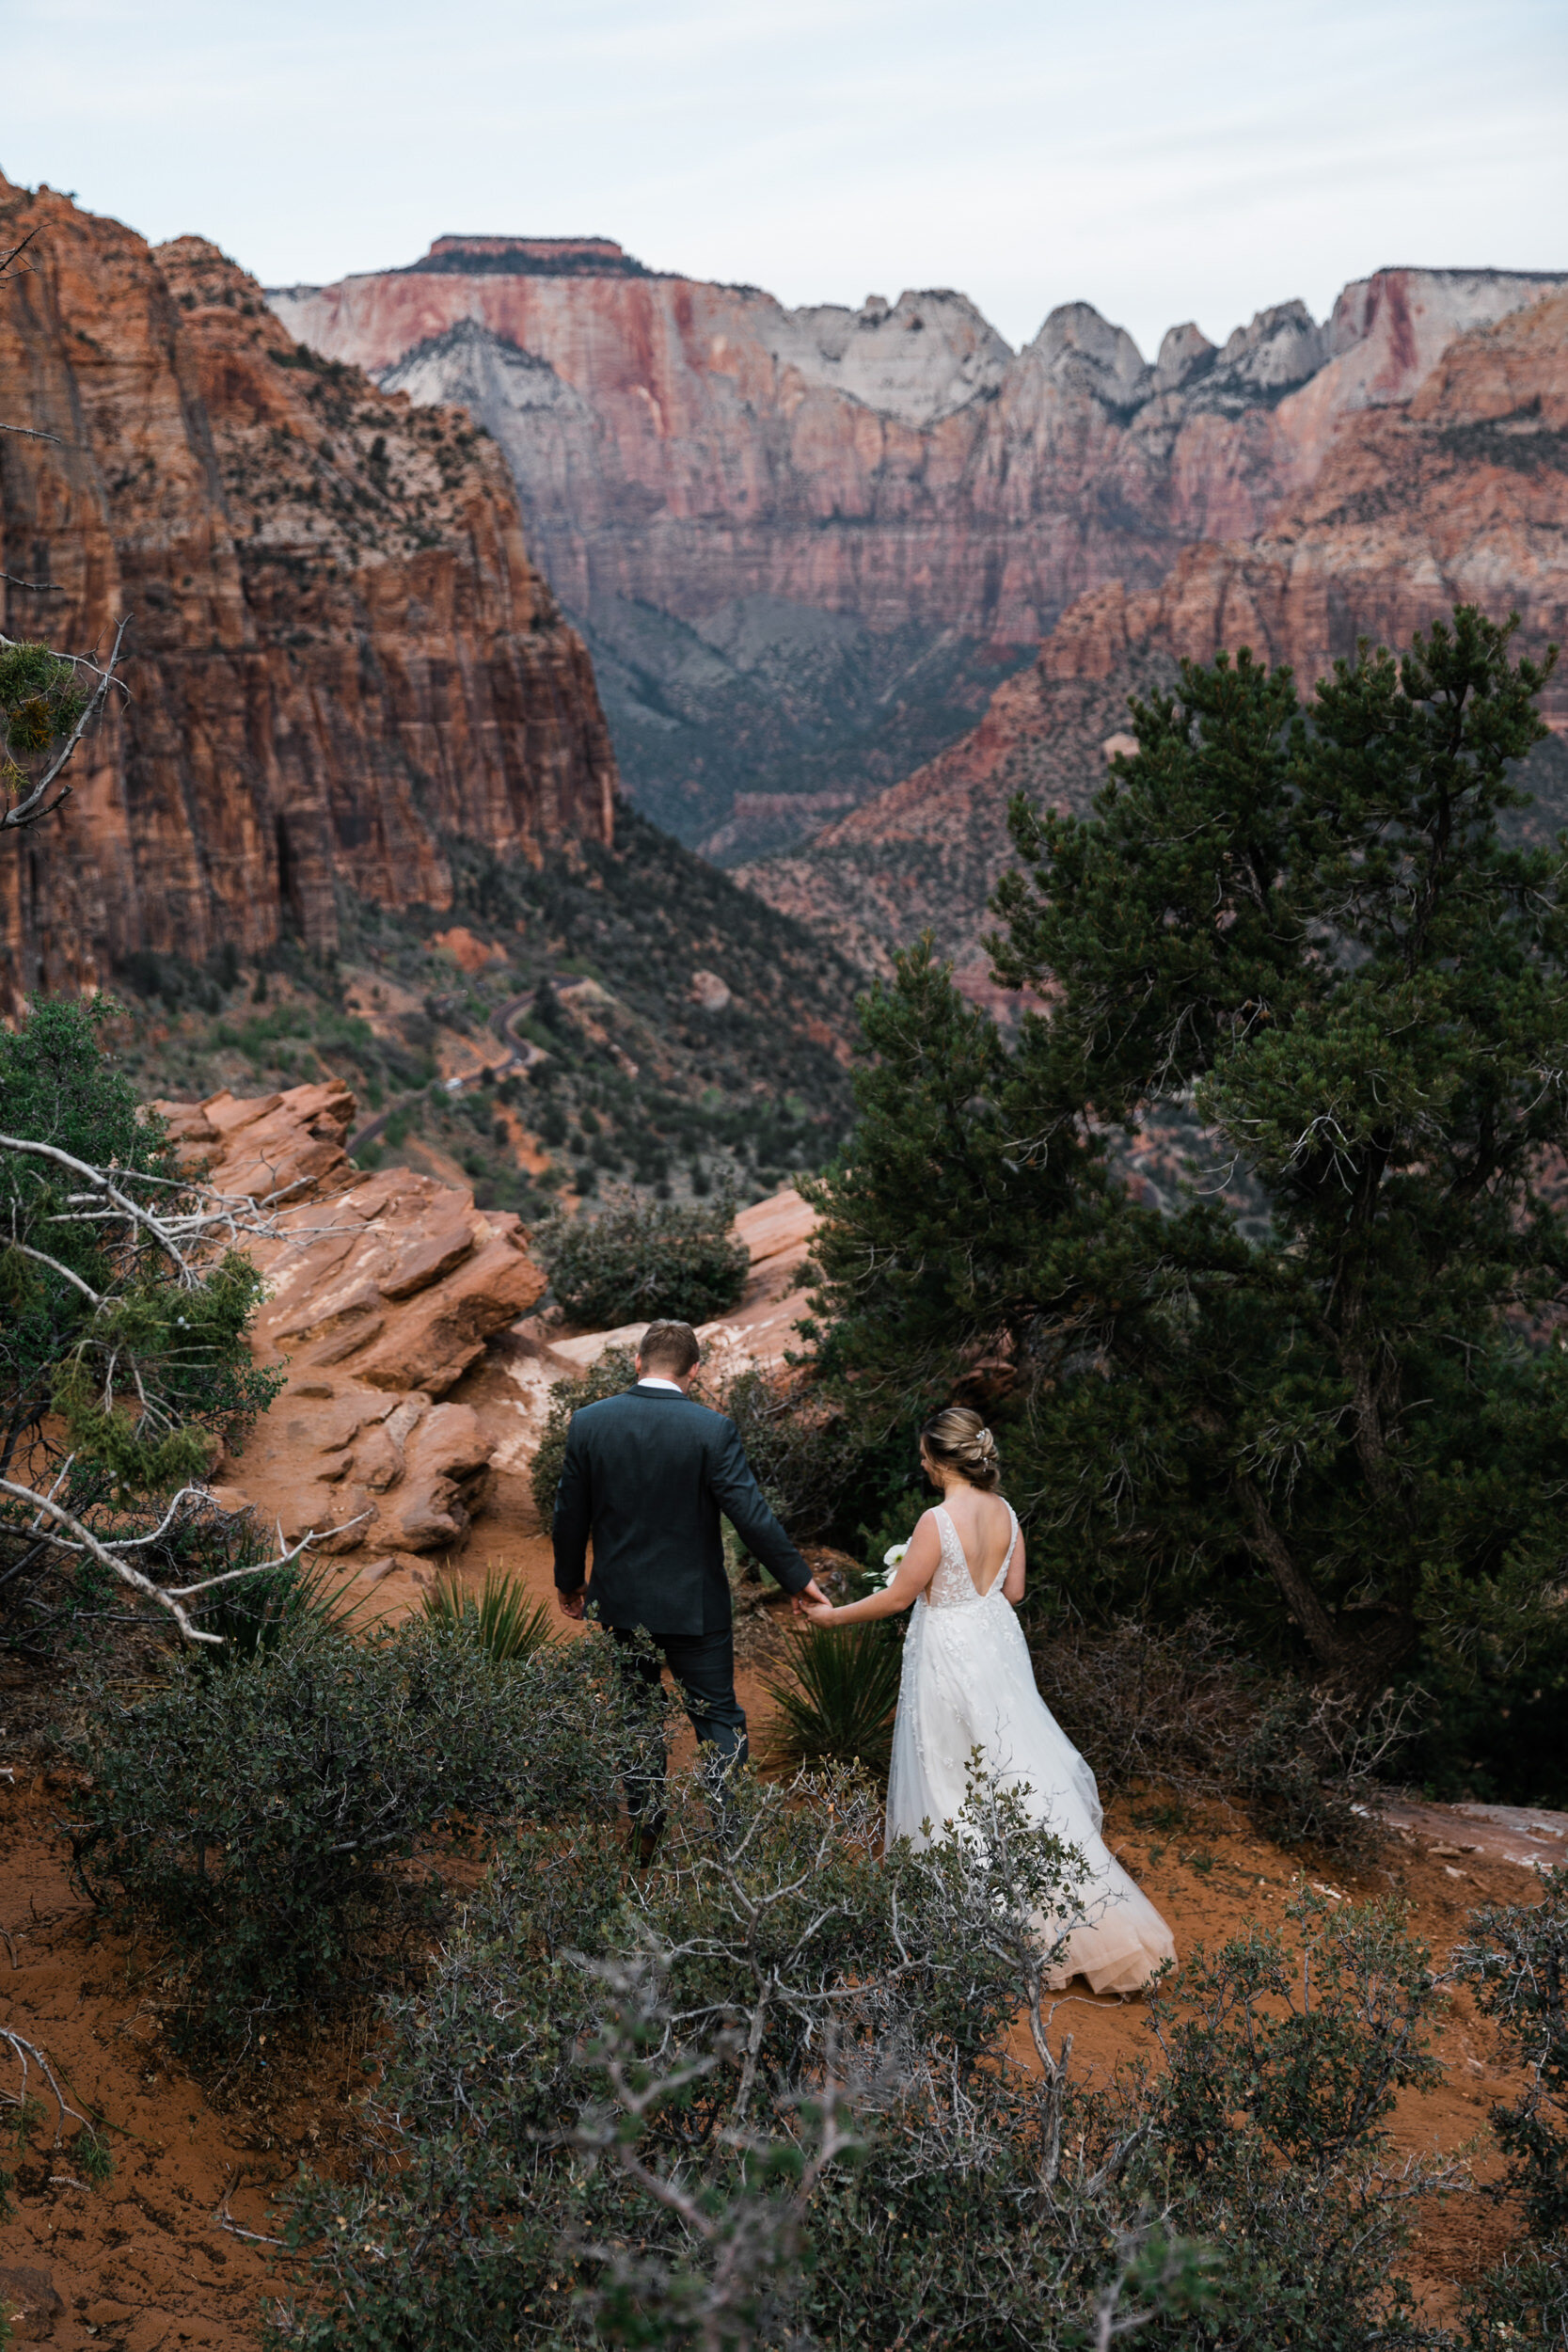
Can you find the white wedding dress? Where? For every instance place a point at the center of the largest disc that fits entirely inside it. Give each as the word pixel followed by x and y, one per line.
pixel 968 1684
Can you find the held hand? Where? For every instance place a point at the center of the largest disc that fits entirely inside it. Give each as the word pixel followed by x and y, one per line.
pixel 572 1604
pixel 807 1592
pixel 820 1612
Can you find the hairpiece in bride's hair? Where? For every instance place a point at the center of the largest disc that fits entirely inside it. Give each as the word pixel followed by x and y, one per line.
pixel 960 1440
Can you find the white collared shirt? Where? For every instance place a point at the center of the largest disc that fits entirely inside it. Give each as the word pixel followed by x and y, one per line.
pixel 651 1380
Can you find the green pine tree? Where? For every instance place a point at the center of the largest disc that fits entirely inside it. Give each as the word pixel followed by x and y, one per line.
pixel 1303 937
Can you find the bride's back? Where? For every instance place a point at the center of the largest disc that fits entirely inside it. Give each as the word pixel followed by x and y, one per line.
pixel 984 1526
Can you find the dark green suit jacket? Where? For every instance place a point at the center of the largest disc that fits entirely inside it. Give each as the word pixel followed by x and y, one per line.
pixel 646 1474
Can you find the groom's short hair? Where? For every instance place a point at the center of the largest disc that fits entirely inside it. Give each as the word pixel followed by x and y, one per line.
pixel 669 1347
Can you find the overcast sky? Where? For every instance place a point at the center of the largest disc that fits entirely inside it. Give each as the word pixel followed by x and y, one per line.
pixel 1163 162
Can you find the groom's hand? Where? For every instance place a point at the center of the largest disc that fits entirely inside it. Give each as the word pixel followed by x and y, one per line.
pixel 807 1594
pixel 571 1604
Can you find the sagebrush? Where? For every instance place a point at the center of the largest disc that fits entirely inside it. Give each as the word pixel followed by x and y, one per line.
pixel 764 2094
pixel 280 1825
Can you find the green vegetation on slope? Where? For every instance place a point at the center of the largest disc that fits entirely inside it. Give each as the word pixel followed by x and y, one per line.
pixel 610 1059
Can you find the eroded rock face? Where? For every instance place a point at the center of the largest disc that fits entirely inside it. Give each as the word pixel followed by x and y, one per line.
pixel 338 647
pixel 688 444
pixel 383 1290
pixel 1458 495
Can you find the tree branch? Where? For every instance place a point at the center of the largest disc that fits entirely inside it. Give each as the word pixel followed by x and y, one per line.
pixel 33 809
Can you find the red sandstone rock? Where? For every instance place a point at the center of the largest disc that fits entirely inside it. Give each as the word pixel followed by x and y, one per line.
pixel 442 1331
pixel 330 594
pixel 687 443
pixel 1461 497
pixel 382 1291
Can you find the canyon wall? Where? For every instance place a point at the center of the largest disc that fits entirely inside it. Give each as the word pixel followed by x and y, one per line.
pixel 338 647
pixel 690 444
pixel 1458 496
pixel 800 540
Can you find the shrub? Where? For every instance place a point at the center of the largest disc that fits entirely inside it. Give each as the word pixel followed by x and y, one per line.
pixel 1282 2069
pixel 614 1370
pixel 766 2093
pixel 1182 1707
pixel 837 1694
pixel 1517 1960
pixel 122 1352
pixel 1148 1702
pixel 637 1264
pixel 257 1613
pixel 801 1448
pixel 1312 1761
pixel 280 1824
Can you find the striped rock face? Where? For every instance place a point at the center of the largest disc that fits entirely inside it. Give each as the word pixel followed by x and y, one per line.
pixel 338 649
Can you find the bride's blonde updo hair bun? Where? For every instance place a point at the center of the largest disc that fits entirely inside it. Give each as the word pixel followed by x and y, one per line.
pixel 960 1440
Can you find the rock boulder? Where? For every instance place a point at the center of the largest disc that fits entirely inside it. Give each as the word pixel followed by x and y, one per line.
pixel 382 1291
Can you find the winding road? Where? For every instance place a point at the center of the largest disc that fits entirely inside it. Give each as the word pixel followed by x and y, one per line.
pixel 522 1053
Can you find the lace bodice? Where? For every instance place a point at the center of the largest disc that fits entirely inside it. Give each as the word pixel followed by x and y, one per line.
pixel 951 1586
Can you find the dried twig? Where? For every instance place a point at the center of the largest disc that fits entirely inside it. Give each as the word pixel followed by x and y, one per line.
pixel 28 2055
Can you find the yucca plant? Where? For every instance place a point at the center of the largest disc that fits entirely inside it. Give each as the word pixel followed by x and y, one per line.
pixel 505 1622
pixel 254 1616
pixel 836 1698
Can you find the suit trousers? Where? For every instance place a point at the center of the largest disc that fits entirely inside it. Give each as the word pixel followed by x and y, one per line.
pixel 704 1667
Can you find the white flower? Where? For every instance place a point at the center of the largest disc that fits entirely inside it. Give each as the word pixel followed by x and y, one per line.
pixel 893 1560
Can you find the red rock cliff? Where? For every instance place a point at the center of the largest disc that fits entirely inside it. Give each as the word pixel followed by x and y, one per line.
pixel 338 647
pixel 686 443
pixel 1461 495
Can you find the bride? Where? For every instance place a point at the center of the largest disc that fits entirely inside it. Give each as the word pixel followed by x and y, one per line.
pixel 968 1684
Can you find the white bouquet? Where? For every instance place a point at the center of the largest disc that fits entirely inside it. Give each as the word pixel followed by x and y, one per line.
pixel 893 1560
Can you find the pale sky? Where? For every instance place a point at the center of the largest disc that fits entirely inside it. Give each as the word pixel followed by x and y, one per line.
pixel 1162 161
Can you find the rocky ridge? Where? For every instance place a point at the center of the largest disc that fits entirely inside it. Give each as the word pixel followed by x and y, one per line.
pixel 399 1314
pixel 383 1290
pixel 687 444
pixel 339 650
pixel 1458 495
pixel 723 489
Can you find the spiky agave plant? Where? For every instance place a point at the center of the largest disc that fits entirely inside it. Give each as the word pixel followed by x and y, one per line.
pixel 836 1698
pixel 504 1620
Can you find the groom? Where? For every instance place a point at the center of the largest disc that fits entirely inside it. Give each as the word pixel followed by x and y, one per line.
pixel 646 1475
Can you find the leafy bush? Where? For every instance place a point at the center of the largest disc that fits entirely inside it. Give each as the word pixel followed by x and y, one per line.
pixel 1148 1702
pixel 637 1265
pixel 614 1370
pixel 256 1613
pixel 1517 1960
pixel 766 2093
pixel 279 1825
pixel 122 1354
pixel 1311 1762
pixel 1282 2070
pixel 802 1449
pixel 837 1694
pixel 40 703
